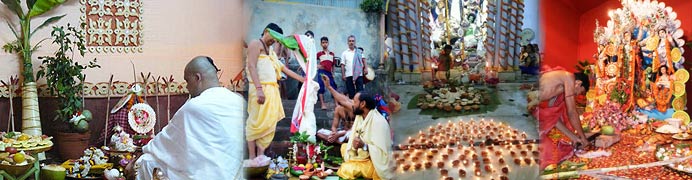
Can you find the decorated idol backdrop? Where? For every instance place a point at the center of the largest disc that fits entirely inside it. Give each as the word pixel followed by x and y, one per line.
pixel 639 64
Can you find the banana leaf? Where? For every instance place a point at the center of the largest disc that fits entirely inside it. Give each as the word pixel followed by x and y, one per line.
pixel 47 22
pixel 15 7
pixel 42 6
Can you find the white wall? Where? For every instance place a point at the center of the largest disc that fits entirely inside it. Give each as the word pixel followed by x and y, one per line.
pixel 532 20
pixel 175 31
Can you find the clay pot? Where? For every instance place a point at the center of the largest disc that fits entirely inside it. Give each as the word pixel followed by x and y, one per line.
pixel 72 145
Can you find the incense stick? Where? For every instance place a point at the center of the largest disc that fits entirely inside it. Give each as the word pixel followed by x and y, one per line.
pixel 108 105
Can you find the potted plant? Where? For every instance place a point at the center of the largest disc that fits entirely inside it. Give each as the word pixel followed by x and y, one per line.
pixel 65 81
pixel 31 123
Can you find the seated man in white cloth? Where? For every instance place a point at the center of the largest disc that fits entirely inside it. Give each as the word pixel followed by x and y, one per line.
pixel 204 140
pixel 368 151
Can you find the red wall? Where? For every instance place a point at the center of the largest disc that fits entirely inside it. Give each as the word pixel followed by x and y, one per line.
pixel 560 24
pixel 587 24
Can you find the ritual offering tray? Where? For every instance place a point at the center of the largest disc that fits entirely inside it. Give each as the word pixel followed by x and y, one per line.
pixel 92 163
pixel 671 151
pixel 682 136
pixel 16 164
pixel 24 142
pixel 83 178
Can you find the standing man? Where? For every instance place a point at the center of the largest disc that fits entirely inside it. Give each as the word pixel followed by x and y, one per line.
pixel 264 98
pixel 353 68
pixel 324 68
pixel 444 63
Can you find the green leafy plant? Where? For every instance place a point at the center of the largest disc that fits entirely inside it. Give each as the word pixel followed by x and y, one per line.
pixel 22 46
pixel 300 137
pixel 325 149
pixel 372 6
pixel 619 94
pixel 64 76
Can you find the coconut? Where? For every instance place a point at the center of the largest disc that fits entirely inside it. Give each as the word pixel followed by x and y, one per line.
pixel 467 108
pixel 431 105
pixel 448 108
pixel 476 107
pixel 53 172
pixel 457 107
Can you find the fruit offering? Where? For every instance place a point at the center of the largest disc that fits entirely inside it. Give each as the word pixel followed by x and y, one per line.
pixel 16 159
pixel 24 142
pixel 53 171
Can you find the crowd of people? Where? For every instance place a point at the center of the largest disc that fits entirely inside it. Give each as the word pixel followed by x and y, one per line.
pixel 357 123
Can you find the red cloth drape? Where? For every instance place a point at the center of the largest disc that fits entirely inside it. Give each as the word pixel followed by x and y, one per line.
pixel 552 151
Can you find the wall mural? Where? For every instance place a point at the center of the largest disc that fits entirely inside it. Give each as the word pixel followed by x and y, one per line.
pixel 118 88
pixel 112 26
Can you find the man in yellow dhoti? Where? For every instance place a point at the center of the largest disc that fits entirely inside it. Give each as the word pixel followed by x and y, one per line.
pixel 368 151
pixel 264 98
pixel 202 140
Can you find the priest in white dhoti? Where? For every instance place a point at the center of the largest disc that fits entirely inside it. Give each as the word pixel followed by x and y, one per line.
pixel 204 139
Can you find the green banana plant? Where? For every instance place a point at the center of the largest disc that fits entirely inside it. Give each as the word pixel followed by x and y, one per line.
pixel 31 123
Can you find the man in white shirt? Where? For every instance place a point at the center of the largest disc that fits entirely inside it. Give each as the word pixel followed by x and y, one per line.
pixel 353 68
pixel 204 139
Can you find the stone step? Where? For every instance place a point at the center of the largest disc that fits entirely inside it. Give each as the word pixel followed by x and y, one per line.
pixel 283 127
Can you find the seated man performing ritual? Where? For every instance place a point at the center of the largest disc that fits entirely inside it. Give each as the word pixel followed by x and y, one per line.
pixel 203 139
pixel 342 115
pixel 557 110
pixel 367 152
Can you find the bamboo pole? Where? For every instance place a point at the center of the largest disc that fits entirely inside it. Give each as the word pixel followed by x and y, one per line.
pixel 108 105
pixel 610 169
pixel 158 125
pixel 11 108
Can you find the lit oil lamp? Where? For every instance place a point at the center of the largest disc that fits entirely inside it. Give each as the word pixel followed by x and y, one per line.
pixel 428 165
pixel 462 173
pixel 527 161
